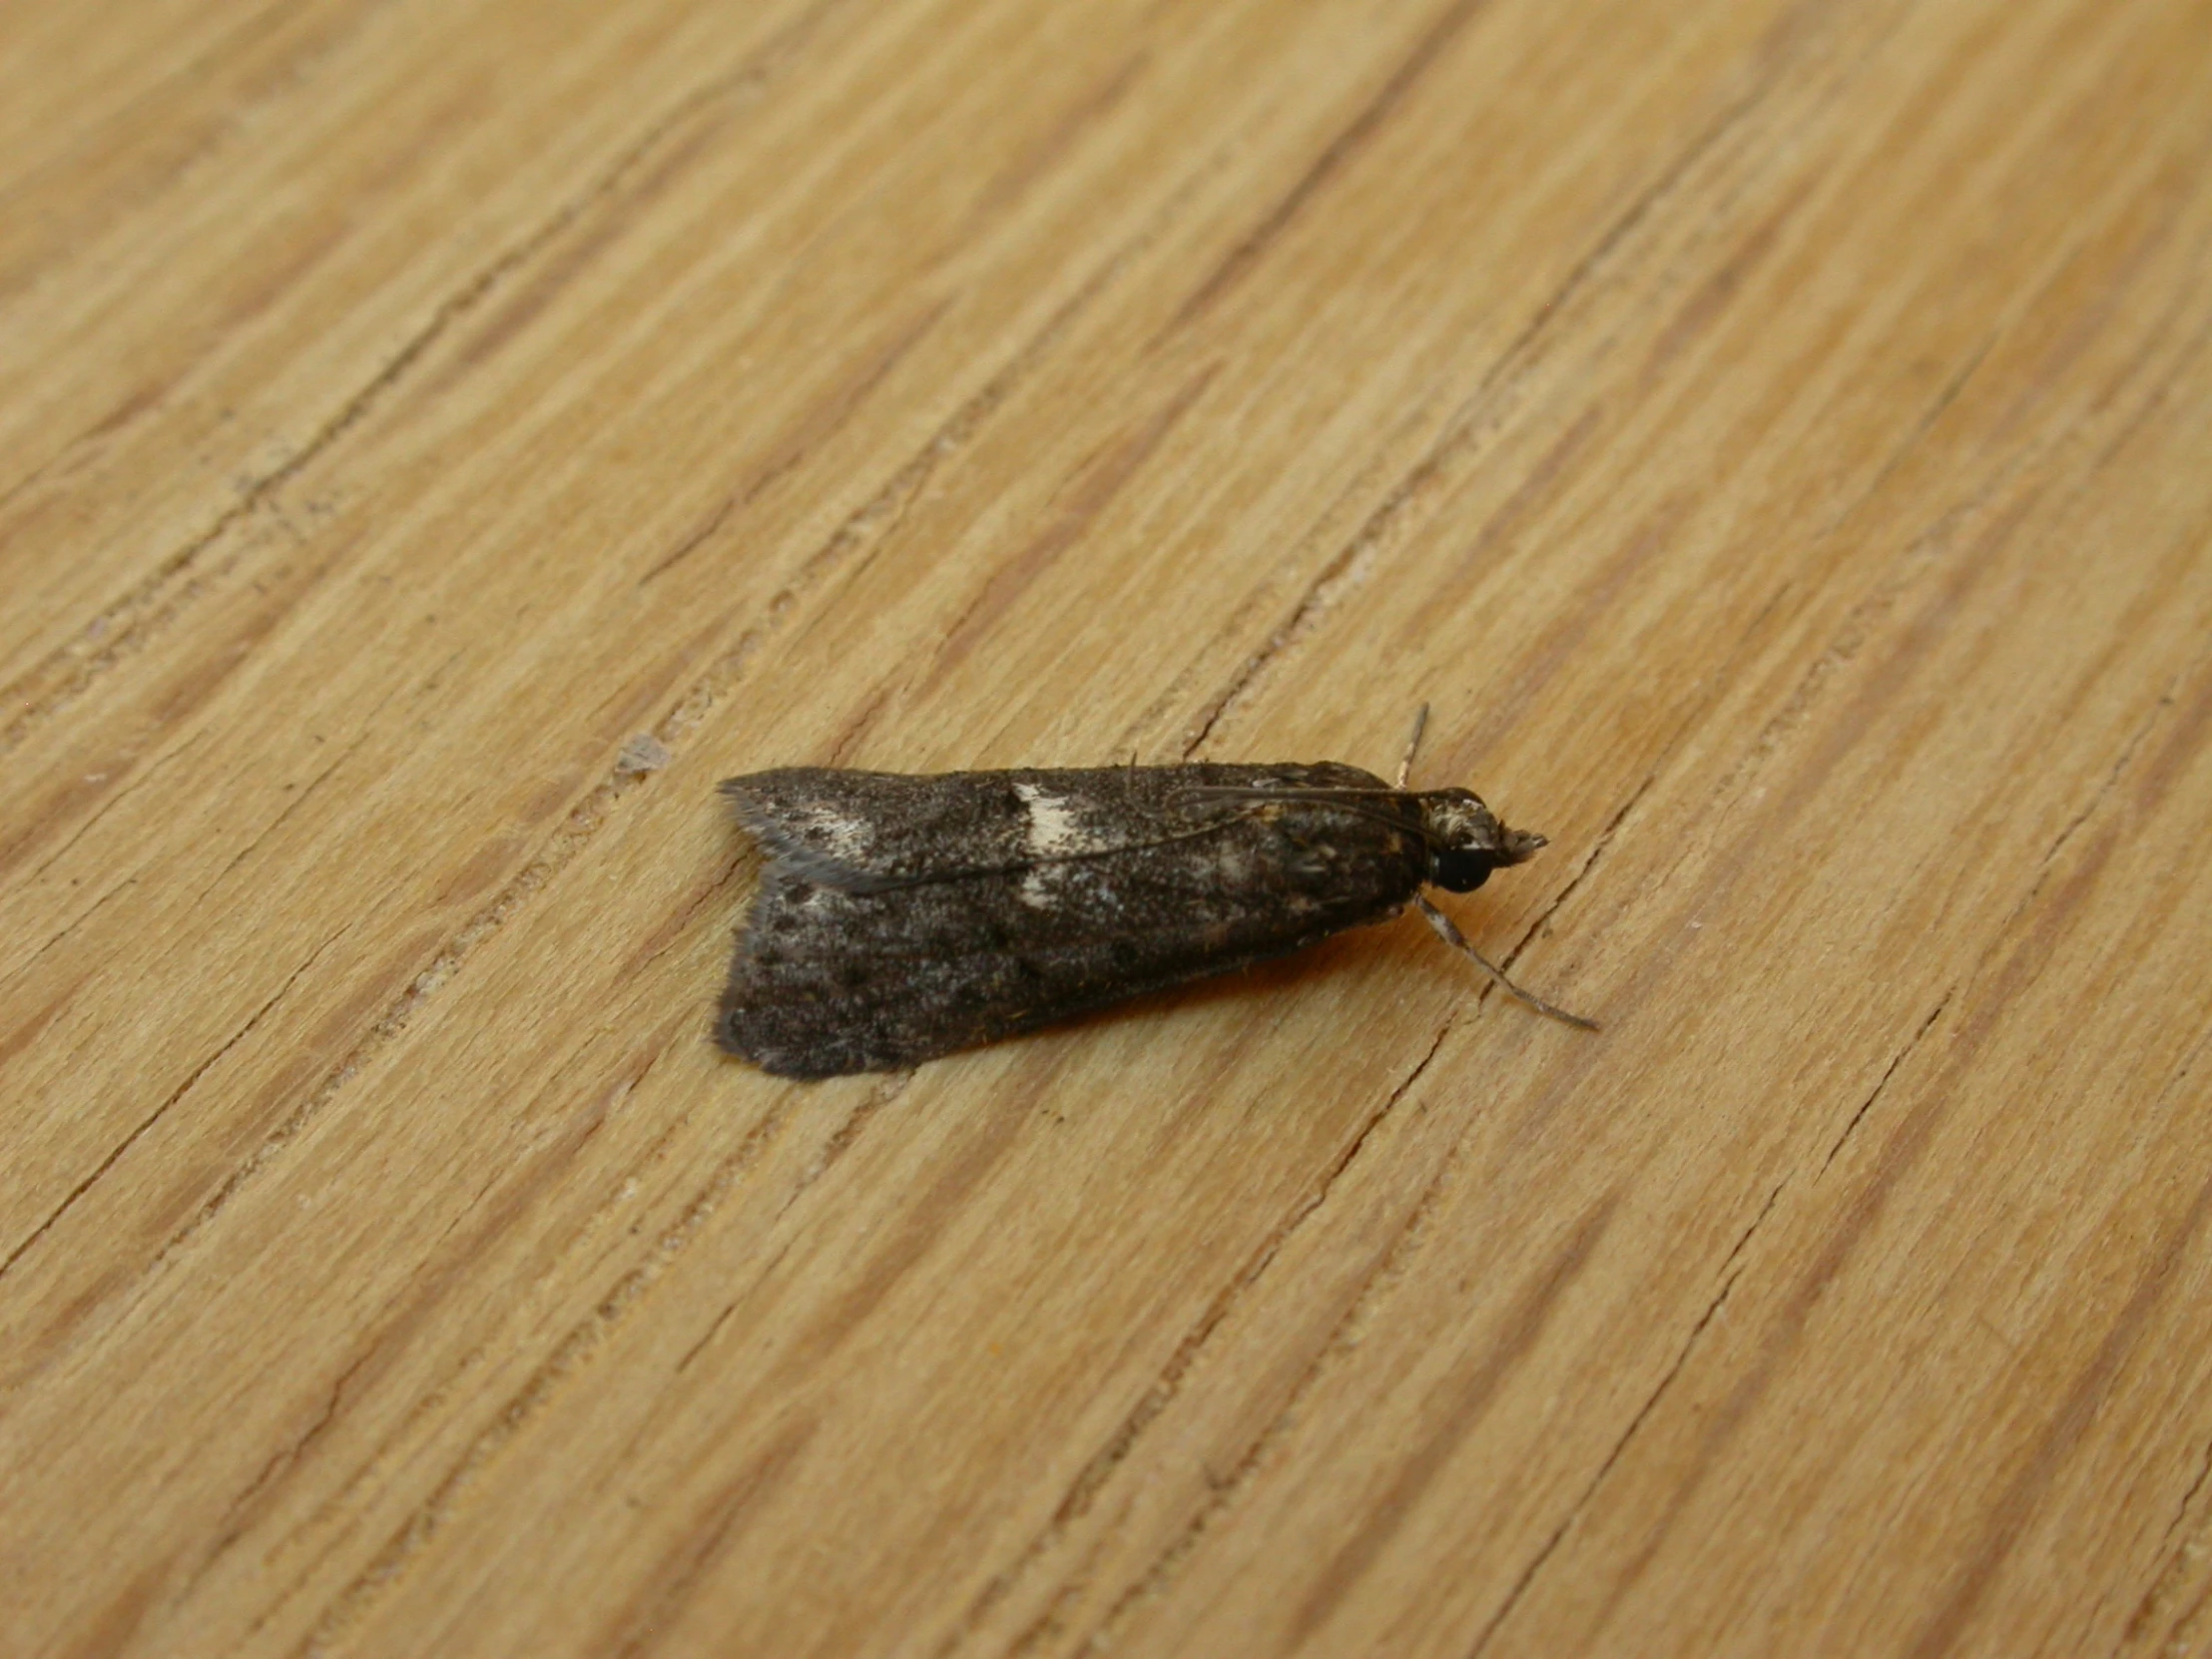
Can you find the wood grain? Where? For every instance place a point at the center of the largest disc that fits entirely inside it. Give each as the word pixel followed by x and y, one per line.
pixel 1772 434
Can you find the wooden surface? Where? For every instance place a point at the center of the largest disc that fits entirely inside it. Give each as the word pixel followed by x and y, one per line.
pixel 1776 435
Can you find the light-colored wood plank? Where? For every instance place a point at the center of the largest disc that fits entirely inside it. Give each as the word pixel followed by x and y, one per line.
pixel 1772 438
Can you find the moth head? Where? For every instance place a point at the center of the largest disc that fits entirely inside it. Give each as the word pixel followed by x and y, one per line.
pixel 1466 841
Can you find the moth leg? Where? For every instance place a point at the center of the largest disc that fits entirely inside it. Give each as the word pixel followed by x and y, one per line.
pixel 1447 931
pixel 1420 724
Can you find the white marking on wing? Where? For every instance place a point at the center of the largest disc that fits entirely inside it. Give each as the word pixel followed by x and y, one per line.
pixel 1053 832
pixel 832 832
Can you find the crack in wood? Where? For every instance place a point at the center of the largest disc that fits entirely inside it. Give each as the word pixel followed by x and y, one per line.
pixel 1082 1493
pixel 138 1132
pixel 1898 1059
pixel 1730 1271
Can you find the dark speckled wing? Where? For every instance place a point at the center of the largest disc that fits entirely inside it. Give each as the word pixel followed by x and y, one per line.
pixel 900 917
pixel 868 830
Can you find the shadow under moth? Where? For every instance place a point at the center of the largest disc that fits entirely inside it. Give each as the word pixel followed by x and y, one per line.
pixel 903 917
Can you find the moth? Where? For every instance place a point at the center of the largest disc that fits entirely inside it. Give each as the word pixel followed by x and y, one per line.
pixel 901 917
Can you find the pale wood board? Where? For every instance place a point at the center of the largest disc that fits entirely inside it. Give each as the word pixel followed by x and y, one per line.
pixel 1776 436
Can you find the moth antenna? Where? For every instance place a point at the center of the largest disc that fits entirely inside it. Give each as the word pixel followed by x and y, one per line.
pixel 1448 931
pixel 1413 742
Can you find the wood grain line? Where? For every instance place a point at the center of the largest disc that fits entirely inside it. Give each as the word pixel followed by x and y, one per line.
pixel 2015 1507
pixel 577 1349
pixel 1335 156
pixel 155 602
pixel 1488 1366
pixel 1985 1001
pixel 1083 1493
pixel 1731 1270
pixel 1088 495
pixel 650 1614
pixel 1461 434
pixel 138 1131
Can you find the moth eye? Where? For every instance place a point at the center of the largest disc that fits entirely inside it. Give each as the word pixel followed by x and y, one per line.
pixel 1458 869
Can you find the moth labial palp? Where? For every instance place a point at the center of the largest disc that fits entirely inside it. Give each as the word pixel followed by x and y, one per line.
pixel 900 917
